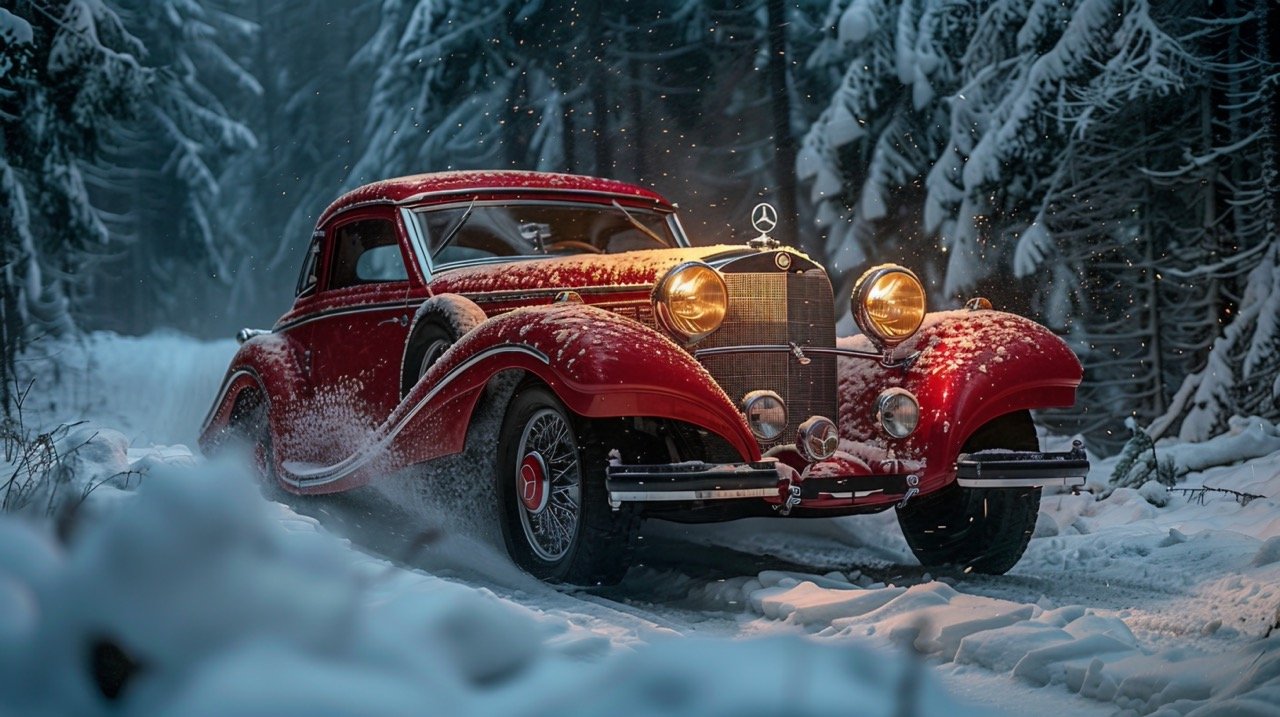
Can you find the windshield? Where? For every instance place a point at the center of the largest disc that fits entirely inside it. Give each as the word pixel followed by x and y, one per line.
pixel 475 232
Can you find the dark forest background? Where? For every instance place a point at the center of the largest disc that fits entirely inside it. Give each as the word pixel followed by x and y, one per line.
pixel 1109 167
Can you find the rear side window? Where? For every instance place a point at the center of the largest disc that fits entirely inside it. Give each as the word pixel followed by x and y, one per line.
pixel 366 252
pixel 310 268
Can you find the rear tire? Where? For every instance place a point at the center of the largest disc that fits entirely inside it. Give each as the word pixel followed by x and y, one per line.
pixel 553 508
pixel 983 530
pixel 251 431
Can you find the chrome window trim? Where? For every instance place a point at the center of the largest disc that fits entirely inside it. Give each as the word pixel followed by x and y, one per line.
pixel 417 242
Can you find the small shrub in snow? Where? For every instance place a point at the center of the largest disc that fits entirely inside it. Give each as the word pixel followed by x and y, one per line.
pixel 1139 463
pixel 1155 493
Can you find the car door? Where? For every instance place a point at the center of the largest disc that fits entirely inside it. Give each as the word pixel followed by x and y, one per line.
pixel 362 319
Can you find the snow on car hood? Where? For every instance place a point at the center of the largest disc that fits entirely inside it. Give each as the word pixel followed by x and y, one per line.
pixel 633 268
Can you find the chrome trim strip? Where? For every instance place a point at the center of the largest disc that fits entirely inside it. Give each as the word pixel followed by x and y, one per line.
pixel 1060 481
pixel 657 496
pixel 329 313
pixel 850 495
pixel 322 475
pixel 222 393
pixel 522 294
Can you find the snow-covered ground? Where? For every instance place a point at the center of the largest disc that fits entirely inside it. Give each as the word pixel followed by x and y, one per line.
pixel 1146 602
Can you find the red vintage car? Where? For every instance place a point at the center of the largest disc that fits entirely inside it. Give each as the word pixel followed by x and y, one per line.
pixel 627 374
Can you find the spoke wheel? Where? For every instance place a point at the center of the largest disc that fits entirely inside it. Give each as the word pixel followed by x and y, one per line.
pixel 553 507
pixel 548 484
pixel 434 351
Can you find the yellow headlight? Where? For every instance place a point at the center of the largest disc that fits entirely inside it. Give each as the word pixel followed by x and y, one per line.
pixel 888 304
pixel 691 301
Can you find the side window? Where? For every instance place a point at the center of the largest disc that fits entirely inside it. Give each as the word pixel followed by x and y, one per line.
pixel 310 268
pixel 366 252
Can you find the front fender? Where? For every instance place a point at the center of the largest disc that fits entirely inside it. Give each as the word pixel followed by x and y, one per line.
pixel 973 367
pixel 599 364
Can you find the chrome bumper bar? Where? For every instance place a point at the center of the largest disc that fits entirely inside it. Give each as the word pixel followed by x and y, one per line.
pixel 1022 469
pixel 691 481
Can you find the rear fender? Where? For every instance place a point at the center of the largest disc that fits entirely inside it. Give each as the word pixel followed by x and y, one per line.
pixel 268 365
pixel 599 364
pixel 973 367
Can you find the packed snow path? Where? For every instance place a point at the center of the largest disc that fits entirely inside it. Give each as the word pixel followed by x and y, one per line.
pixel 1146 602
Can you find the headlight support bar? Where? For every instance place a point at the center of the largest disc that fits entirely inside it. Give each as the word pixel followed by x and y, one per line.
pixel 886 359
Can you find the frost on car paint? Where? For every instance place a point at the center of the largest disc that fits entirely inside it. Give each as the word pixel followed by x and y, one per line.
pixel 611 413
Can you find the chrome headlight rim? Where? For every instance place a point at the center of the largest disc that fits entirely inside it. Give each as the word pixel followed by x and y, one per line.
pixel 882 412
pixel 858 304
pixel 754 397
pixel 662 311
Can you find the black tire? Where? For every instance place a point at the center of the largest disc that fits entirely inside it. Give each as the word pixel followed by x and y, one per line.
pixel 250 430
pixel 435 329
pixel 983 530
pixel 599 545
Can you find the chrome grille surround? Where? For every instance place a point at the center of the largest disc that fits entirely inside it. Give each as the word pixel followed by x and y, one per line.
pixel 772 306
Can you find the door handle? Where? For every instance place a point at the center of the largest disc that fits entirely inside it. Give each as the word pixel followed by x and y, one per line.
pixel 402 319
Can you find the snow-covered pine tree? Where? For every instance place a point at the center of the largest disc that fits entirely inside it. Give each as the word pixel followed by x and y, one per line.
pixel 1241 374
pixel 309 122
pixel 69 71
pixel 158 177
pixel 1063 126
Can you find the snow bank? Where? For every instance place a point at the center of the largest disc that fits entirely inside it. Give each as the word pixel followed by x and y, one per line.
pixel 1092 654
pixel 156 389
pixel 192 596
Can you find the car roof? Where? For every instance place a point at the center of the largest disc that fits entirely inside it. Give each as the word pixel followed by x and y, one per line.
pixel 421 187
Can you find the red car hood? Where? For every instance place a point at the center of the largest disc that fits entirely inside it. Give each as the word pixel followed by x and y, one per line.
pixel 632 269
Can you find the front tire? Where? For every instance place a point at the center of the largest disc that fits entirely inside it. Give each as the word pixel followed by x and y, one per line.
pixel 983 530
pixel 554 511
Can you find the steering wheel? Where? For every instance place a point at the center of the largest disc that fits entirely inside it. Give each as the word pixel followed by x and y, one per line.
pixel 563 244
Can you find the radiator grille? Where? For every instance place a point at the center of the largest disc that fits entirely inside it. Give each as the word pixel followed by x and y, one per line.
pixel 778 308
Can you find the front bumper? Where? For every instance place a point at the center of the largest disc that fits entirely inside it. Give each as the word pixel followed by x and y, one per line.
pixel 1023 469
pixel 835 483
pixel 828 484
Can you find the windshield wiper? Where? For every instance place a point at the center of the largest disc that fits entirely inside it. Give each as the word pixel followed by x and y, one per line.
pixel 636 223
pixel 453 230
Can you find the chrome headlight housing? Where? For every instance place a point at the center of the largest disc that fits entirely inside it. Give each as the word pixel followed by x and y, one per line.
pixel 888 304
pixel 897 412
pixel 766 414
pixel 691 301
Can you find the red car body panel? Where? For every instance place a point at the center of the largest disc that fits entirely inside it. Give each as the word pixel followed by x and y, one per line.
pixel 331 368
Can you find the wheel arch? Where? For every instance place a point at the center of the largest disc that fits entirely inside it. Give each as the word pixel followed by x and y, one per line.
pixel 265 369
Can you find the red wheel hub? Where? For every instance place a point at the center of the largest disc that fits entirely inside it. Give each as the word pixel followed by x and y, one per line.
pixel 531 483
